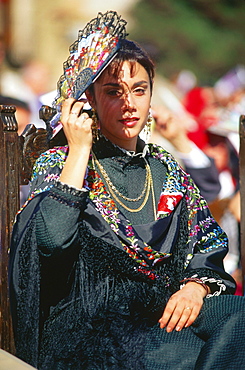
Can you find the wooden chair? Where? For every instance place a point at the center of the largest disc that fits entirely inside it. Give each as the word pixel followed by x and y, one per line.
pixel 17 156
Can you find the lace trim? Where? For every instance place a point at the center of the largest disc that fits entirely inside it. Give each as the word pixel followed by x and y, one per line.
pixel 220 285
pixel 72 190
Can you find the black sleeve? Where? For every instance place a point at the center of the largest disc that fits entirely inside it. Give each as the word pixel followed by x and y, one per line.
pixel 207 180
pixel 57 219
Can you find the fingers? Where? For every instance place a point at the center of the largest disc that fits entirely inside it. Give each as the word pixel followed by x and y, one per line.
pixel 77 119
pixel 76 124
pixel 71 110
pixel 178 314
pixel 188 316
pixel 72 116
pixel 194 313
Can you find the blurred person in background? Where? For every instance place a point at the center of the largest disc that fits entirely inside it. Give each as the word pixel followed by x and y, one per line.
pixel 223 209
pixel 201 103
pixel 184 81
pixel 217 135
pixel 171 132
pixel 210 153
pixel 28 84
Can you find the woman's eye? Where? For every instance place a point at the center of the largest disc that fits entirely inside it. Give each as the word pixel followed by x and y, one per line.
pixel 139 91
pixel 114 92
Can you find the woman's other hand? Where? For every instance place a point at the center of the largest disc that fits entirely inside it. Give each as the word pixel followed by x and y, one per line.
pixel 183 307
pixel 172 128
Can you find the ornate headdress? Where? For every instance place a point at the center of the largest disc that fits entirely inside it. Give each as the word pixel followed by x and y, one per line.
pixel 90 54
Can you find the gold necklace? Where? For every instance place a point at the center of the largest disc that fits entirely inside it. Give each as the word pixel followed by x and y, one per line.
pixel 114 189
pixel 111 187
pixel 153 199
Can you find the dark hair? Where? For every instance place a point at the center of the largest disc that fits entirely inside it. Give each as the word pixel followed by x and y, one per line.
pixel 131 52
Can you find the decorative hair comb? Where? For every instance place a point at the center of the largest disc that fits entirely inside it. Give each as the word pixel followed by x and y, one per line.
pixel 90 54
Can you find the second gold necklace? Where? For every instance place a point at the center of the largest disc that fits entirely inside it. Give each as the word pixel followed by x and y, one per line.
pixel 114 192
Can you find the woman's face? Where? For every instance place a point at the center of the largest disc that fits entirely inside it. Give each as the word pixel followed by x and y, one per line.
pixel 122 104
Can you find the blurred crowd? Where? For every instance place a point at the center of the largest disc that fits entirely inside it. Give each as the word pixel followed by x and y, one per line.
pixel 198 124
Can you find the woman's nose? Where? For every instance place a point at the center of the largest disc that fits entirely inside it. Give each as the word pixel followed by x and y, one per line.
pixel 128 101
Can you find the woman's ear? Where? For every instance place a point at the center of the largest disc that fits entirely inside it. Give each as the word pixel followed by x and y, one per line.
pixel 90 97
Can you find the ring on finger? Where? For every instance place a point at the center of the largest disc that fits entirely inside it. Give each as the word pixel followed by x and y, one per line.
pixel 83 116
pixel 74 113
pixel 188 308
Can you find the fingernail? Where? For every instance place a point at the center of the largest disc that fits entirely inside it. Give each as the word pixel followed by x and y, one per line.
pixel 168 329
pixel 178 328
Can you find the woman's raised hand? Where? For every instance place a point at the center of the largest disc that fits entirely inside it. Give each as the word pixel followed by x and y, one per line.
pixel 78 131
pixel 76 124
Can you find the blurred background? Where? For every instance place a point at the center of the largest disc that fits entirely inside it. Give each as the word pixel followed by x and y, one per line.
pixel 193 42
pixel 206 37
pixel 198 49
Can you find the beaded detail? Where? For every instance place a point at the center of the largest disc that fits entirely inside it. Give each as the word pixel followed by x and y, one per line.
pixel 64 200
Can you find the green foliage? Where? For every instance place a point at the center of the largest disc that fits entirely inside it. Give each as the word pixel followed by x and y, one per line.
pixel 205 36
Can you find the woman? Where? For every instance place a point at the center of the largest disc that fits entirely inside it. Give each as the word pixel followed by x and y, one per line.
pixel 117 244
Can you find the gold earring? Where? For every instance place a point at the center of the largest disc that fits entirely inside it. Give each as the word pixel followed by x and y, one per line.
pixel 149 120
pixel 95 125
pixel 147 129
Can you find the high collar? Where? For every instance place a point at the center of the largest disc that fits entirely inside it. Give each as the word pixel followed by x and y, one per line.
pixel 104 148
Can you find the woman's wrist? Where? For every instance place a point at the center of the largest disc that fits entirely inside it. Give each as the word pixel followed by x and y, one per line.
pixel 198 282
pixel 75 167
pixel 197 287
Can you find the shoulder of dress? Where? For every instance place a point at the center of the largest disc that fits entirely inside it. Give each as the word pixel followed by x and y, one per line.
pixel 158 152
pixel 54 155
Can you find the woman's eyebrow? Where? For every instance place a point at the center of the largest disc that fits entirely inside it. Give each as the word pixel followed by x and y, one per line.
pixel 140 83
pixel 113 84
pixel 116 84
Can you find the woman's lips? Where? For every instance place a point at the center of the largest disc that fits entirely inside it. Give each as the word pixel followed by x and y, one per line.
pixel 129 122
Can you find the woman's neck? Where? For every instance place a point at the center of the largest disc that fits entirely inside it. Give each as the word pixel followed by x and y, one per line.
pixel 128 144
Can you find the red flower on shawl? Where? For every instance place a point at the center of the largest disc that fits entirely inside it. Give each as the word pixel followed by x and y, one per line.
pixel 168 202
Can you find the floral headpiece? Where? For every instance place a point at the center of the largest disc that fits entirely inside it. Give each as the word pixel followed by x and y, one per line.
pixel 90 54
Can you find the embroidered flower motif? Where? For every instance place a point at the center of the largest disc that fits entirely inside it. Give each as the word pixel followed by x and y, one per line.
pixel 129 231
pixel 52 177
pixel 202 226
pixel 168 202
